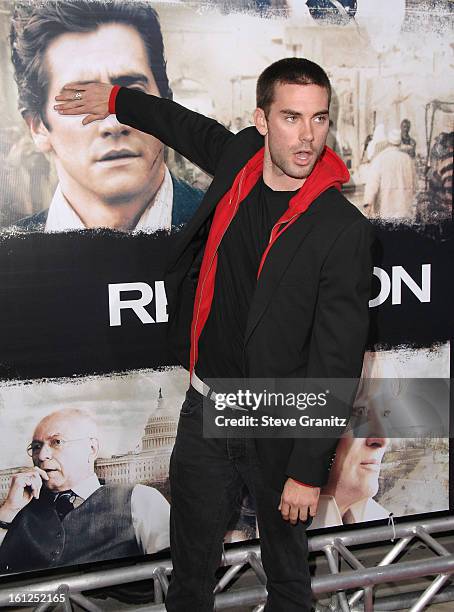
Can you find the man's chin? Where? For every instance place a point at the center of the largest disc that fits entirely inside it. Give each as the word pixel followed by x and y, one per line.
pixel 300 172
pixel 295 171
pixel 54 483
pixel 124 194
pixel 369 489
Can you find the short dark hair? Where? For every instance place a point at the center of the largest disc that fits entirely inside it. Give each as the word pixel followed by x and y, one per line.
pixel 293 70
pixel 35 25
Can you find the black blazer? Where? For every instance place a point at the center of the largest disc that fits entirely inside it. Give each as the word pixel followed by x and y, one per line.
pixel 309 314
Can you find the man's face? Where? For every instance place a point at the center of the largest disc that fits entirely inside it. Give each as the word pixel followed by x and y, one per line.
pixel 295 130
pixel 68 450
pixel 355 472
pixel 405 127
pixel 103 161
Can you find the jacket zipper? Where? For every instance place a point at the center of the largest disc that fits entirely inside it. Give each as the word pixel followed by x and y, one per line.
pixel 281 223
pixel 262 263
pixel 212 259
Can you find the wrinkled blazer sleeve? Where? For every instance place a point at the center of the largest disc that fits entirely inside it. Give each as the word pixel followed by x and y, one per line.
pixel 196 137
pixel 339 335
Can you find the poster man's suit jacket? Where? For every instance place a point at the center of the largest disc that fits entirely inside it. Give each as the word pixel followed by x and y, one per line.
pixel 309 313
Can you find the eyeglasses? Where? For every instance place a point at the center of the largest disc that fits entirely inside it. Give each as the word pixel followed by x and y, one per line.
pixel 55 444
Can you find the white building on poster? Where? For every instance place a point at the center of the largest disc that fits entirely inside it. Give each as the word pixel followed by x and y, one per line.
pixel 150 463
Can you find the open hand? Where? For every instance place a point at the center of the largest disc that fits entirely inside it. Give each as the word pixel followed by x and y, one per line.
pixel 91 99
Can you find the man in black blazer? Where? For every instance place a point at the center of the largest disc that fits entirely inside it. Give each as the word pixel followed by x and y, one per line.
pixel 270 279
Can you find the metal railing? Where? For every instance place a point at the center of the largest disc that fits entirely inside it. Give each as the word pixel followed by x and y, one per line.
pixel 333 545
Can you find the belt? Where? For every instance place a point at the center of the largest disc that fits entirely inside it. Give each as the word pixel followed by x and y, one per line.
pixel 208 392
pixel 201 387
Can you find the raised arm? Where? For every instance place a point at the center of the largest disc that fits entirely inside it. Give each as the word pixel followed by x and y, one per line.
pixel 196 137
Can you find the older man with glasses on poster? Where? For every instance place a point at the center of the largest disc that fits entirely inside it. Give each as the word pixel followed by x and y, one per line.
pixel 58 513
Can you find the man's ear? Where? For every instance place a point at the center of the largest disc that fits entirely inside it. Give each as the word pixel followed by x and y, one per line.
pixel 260 121
pixel 39 133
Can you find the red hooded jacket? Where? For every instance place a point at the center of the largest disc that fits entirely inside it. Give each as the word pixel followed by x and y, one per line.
pixel 329 171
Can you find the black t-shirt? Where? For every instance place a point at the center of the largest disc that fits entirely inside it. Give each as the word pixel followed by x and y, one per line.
pixel 221 343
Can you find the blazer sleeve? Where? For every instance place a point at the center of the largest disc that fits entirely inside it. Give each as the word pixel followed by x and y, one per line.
pixel 338 339
pixel 196 137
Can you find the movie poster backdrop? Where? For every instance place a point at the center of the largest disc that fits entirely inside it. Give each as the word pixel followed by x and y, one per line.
pixel 88 215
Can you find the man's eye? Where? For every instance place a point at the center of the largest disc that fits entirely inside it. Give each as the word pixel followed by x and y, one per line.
pixel 321 119
pixel 291 118
pixel 57 442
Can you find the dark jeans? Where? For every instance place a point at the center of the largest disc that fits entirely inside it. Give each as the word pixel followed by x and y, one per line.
pixel 206 480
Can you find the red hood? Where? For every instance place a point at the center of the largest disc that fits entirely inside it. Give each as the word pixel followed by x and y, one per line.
pixel 329 171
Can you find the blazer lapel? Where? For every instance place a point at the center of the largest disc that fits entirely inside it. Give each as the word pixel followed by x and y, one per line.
pixel 277 261
pixel 246 144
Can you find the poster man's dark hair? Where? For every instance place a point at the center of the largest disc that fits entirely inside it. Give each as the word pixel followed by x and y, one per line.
pixel 35 25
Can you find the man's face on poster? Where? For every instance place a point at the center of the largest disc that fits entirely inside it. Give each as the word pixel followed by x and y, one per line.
pixel 65 447
pixel 355 472
pixel 405 127
pixel 105 161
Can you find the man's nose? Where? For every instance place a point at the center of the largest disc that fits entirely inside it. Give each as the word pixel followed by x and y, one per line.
pixel 306 132
pixel 110 126
pixel 377 441
pixel 44 453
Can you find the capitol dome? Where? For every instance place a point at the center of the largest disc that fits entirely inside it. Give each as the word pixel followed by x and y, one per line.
pixel 161 426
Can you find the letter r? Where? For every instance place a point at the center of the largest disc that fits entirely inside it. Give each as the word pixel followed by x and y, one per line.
pixel 116 305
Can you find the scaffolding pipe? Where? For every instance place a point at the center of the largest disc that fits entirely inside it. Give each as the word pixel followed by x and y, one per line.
pixel 247 597
pixel 256 564
pixel 429 594
pixel 85 603
pixel 359 578
pixel 356 564
pixel 380 534
pixel 228 577
pixel 383 604
pixel 158 593
pixel 338 599
pixel 387 560
pixel 403 601
pixel 431 542
pixel 379 575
